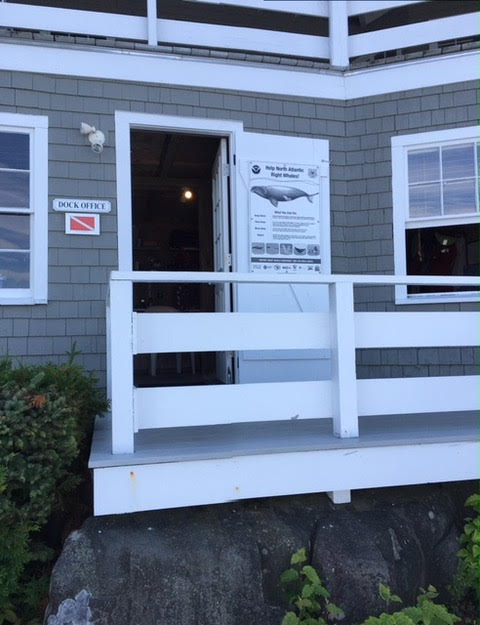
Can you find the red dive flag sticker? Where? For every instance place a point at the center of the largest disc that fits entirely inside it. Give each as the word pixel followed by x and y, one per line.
pixel 80 223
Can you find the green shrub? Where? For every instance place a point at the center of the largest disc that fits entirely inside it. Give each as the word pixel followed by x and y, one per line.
pixel 46 417
pixel 307 596
pixel 311 605
pixel 465 588
pixel 425 612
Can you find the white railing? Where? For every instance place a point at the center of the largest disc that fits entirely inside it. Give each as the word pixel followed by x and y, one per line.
pixel 343 398
pixel 338 47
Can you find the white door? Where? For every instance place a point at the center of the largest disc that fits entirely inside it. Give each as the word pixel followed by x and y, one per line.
pixel 221 249
pixel 280 365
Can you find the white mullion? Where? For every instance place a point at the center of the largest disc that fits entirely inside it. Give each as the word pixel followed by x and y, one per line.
pixel 15 171
pixel 10 210
pixel 15 250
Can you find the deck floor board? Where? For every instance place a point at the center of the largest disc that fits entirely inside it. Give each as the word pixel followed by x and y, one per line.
pixel 184 444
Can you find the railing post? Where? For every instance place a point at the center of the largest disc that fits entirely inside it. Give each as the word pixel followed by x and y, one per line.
pixel 152 36
pixel 338 33
pixel 108 346
pixel 121 355
pixel 344 378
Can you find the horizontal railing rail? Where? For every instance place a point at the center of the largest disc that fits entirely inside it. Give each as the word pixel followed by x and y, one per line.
pixel 343 398
pixel 338 47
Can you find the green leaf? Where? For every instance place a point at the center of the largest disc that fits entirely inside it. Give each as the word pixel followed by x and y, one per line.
pixel 10 616
pixel 299 557
pixel 335 611
pixel 384 591
pixel 311 574
pixel 290 618
pixel 289 576
pixel 387 595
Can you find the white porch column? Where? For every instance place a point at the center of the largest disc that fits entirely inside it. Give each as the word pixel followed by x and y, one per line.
pixel 121 362
pixel 152 22
pixel 338 33
pixel 344 378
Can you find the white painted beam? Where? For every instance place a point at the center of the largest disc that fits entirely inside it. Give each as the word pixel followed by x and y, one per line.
pixel 92 23
pixel 357 7
pixel 416 329
pixel 198 277
pixel 338 33
pixel 241 38
pixel 231 403
pixel 302 7
pixel 217 332
pixel 344 380
pixel 387 396
pixel 340 496
pixel 152 22
pixel 155 69
pixel 122 367
pixel 399 37
pixel 134 488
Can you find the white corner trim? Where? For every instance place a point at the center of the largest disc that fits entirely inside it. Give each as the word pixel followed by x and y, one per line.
pixel 154 68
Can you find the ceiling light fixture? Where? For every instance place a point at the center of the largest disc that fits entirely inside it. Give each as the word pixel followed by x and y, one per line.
pixel 187 194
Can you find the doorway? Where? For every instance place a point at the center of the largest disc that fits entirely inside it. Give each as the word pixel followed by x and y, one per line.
pixel 179 223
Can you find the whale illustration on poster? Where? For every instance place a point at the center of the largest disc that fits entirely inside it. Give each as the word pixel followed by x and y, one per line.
pixel 284 206
pixel 281 194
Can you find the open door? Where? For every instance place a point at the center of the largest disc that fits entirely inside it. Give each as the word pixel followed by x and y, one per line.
pixel 221 249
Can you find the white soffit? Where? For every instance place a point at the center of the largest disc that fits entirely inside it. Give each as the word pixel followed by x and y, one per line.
pixel 153 68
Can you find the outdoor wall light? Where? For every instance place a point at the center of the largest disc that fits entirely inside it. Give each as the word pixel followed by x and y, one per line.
pixel 187 195
pixel 96 137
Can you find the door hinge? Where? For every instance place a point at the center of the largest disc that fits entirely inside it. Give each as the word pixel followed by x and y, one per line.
pixel 228 261
pixel 226 169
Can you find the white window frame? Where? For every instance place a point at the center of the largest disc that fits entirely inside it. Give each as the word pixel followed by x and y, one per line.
pixel 36 126
pixel 400 147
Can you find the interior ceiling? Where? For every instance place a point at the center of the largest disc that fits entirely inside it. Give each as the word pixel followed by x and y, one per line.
pixel 170 156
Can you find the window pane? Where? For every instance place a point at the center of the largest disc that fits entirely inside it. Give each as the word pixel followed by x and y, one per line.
pixel 424 200
pixel 14 150
pixel 14 270
pixel 459 197
pixel 15 232
pixel 424 165
pixel 458 162
pixel 443 250
pixel 14 190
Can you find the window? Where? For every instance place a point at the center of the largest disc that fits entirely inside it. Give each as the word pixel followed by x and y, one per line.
pixel 23 209
pixel 436 210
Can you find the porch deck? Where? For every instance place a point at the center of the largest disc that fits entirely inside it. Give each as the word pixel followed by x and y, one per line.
pixel 281 437
pixel 177 467
pixel 169 447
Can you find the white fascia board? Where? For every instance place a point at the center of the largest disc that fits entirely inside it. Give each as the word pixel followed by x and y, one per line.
pixel 153 68
pixel 419 74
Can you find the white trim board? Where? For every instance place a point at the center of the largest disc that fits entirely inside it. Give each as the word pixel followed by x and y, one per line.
pixel 155 68
pixel 124 122
pixel 134 487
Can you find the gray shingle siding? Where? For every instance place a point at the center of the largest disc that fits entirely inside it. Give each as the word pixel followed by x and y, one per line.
pixel 359 132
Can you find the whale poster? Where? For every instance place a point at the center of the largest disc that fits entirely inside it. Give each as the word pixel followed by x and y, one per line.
pixel 284 214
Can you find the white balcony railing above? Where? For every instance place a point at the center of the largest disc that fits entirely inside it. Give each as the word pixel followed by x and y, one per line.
pixel 337 48
pixel 343 398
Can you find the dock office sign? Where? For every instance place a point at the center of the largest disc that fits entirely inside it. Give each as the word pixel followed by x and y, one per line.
pixel 80 222
pixel 81 205
pixel 284 202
